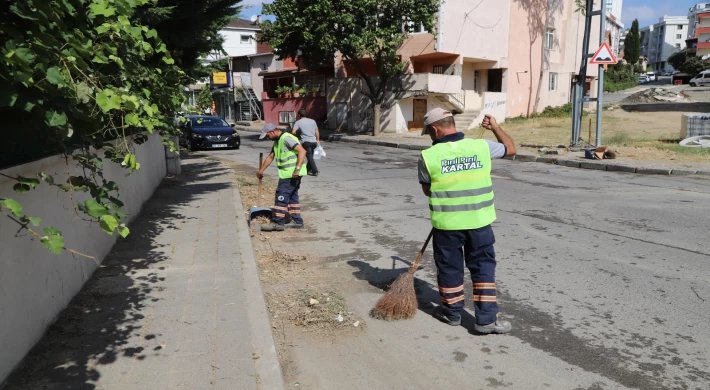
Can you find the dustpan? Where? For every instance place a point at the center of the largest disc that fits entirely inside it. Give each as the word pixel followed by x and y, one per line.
pixel 257 211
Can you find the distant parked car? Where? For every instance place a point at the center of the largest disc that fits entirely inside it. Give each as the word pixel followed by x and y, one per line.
pixel 209 132
pixel 666 73
pixel 700 79
pixel 651 76
pixel 643 79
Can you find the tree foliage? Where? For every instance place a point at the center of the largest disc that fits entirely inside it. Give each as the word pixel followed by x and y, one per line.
pixel 189 28
pixel 677 59
pixel 632 43
pixel 313 31
pixel 82 75
pixel 691 65
pixel 204 98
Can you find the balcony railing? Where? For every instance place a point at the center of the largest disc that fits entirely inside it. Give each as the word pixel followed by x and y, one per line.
pixel 431 82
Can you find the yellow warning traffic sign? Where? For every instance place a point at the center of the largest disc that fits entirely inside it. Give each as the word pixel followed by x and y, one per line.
pixel 603 56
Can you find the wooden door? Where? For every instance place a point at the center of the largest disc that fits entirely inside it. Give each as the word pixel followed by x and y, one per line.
pixel 419 110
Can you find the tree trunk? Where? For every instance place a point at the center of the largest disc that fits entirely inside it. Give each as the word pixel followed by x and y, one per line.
pixel 376 119
pixel 542 60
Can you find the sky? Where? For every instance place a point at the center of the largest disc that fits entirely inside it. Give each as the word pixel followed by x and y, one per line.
pixel 646 11
pixel 253 7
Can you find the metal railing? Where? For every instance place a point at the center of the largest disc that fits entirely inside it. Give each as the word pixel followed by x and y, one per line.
pixel 459 98
pixel 250 97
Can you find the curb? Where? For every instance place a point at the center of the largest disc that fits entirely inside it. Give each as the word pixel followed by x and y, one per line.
pixel 267 366
pixel 611 167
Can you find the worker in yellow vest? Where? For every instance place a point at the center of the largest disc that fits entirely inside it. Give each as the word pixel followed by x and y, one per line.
pixel 289 156
pixel 455 173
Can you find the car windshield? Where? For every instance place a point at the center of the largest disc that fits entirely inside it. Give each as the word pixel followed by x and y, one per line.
pixel 699 76
pixel 209 122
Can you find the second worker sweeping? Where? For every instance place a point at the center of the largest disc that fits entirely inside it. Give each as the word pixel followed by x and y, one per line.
pixel 289 156
pixel 455 173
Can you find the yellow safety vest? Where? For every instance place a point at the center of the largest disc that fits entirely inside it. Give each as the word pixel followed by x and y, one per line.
pixel 286 159
pixel 461 186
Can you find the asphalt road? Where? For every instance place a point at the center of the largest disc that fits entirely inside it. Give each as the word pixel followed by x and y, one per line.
pixel 605 277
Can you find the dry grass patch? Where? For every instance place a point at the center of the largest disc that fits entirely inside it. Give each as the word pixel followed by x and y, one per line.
pixel 637 135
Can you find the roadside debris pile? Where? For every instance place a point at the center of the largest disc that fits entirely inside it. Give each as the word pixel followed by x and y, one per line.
pixel 656 95
pixel 317 310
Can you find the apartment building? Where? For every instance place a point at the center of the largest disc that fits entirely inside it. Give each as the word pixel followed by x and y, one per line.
pixel 486 61
pixel 613 24
pixel 698 37
pixel 663 39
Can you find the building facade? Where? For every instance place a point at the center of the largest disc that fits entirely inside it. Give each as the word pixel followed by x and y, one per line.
pixel 663 39
pixel 698 38
pixel 521 61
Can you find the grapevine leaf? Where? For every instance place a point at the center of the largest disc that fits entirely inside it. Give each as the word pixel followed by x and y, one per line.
pixel 13 206
pixel 54 242
pixel 108 101
pixel 83 92
pixel 109 223
pixel 54 76
pixel 21 188
pixel 36 221
pixel 30 181
pixel 124 232
pixel 51 230
pixel 93 208
pixel 56 119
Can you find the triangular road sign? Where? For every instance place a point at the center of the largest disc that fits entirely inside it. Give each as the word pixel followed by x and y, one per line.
pixel 603 56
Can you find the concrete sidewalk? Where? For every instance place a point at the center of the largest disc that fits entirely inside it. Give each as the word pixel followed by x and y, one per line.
pixel 178 304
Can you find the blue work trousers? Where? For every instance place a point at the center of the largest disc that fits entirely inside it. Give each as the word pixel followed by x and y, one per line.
pixel 287 201
pixel 474 248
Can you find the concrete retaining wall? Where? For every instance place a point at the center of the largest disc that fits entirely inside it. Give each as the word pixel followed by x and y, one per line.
pixel 36 285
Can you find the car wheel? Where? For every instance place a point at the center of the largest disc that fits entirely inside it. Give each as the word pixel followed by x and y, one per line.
pixel 191 145
pixel 692 84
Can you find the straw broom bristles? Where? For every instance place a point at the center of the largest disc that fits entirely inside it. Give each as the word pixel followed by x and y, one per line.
pixel 400 301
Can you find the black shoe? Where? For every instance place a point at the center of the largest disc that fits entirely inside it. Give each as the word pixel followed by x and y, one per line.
pixel 272 227
pixel 498 327
pixel 451 320
pixel 293 225
pixel 312 173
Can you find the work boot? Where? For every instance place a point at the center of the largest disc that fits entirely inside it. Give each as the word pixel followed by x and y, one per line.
pixel 498 327
pixel 294 225
pixel 272 227
pixel 448 319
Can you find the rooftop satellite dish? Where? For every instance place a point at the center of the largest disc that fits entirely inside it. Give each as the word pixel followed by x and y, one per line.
pixel 253 18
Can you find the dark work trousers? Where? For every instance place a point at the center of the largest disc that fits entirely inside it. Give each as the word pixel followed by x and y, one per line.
pixel 453 249
pixel 287 201
pixel 310 147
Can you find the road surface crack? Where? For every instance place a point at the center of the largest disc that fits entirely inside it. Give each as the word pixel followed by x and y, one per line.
pixel 696 294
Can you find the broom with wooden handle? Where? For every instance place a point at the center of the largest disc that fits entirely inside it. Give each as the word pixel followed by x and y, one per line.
pixel 400 301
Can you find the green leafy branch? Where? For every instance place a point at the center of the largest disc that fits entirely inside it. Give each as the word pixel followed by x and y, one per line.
pixel 84 75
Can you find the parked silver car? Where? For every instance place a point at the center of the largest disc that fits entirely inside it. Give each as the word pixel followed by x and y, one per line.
pixel 701 79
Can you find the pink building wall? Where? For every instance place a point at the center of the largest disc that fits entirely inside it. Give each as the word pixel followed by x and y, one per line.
pixel 315 106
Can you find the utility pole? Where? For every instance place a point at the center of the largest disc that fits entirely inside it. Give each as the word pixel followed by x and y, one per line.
pixel 578 91
pixel 600 83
